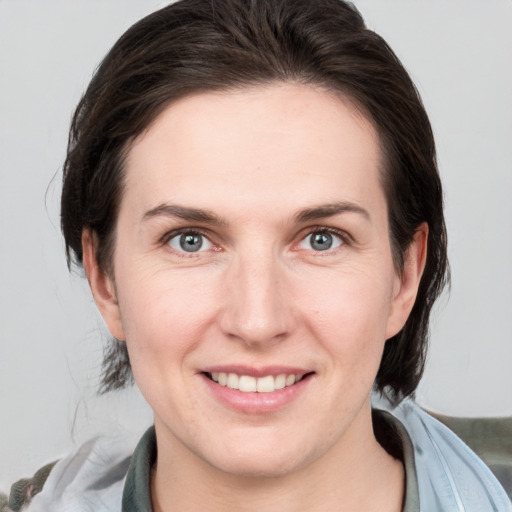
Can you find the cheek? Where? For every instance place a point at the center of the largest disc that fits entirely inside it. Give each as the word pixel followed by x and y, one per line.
pixel 349 314
pixel 165 319
pixel 165 315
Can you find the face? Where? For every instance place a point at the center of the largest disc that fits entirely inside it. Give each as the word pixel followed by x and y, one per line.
pixel 253 277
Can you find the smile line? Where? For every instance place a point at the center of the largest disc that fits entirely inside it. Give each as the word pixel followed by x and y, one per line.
pixel 250 384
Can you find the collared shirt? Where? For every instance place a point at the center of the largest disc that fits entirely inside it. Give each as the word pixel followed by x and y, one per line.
pixel 442 473
pixel 137 494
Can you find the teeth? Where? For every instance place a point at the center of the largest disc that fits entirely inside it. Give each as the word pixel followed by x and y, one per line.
pixel 232 381
pixel 280 381
pixel 265 384
pixel 249 384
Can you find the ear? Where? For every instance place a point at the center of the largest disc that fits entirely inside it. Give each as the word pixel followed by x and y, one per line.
pixel 102 286
pixel 408 281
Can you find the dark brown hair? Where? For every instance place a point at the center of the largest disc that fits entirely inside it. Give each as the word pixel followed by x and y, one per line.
pixel 209 45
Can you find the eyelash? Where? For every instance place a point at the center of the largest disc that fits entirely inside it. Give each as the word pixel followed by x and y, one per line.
pixel 167 237
pixel 345 238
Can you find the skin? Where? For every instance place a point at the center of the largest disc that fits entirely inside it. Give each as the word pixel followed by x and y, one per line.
pixel 259 294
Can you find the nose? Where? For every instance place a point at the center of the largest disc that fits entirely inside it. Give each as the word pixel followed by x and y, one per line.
pixel 257 308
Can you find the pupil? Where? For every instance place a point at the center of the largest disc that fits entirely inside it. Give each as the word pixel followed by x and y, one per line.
pixel 191 243
pixel 321 241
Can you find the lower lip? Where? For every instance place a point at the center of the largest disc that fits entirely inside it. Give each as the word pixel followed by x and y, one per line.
pixel 256 403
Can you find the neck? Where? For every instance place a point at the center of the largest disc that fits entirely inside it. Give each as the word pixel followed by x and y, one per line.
pixel 357 474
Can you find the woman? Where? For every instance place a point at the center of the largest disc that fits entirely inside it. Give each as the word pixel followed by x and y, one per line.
pixel 252 190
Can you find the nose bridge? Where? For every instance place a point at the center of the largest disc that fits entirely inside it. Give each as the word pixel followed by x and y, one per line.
pixel 256 309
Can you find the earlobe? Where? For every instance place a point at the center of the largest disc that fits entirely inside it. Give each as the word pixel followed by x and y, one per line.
pixel 102 286
pixel 408 281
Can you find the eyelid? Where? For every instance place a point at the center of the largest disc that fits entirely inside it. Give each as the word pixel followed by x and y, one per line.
pixel 180 231
pixel 169 235
pixel 345 237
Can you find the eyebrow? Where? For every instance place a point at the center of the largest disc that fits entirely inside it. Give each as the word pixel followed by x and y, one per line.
pixel 185 213
pixel 329 210
pixel 198 215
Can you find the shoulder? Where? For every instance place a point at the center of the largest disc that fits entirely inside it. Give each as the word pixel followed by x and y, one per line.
pixel 91 479
pixel 24 490
pixel 450 475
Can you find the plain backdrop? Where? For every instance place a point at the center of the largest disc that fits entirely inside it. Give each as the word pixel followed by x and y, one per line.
pixel 51 337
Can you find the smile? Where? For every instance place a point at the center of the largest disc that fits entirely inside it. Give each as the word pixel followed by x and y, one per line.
pixel 251 390
pixel 250 384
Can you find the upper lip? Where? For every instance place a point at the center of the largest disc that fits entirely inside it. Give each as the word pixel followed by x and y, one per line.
pixel 252 371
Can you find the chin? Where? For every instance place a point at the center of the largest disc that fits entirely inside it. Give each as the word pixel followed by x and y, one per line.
pixel 262 462
pixel 258 468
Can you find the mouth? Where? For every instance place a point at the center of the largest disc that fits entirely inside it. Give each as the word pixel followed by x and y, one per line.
pixel 251 384
pixel 257 391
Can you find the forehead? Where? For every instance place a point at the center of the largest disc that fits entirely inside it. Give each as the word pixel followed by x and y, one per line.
pixel 256 143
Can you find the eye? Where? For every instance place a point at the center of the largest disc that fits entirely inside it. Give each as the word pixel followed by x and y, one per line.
pixel 190 242
pixel 321 240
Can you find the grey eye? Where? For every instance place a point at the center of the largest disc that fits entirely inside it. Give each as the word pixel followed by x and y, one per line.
pixel 321 241
pixel 190 242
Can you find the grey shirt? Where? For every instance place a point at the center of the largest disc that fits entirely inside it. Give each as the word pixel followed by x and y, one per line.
pixel 442 473
pixel 137 488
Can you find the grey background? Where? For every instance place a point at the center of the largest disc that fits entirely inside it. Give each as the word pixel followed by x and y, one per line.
pixel 51 338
